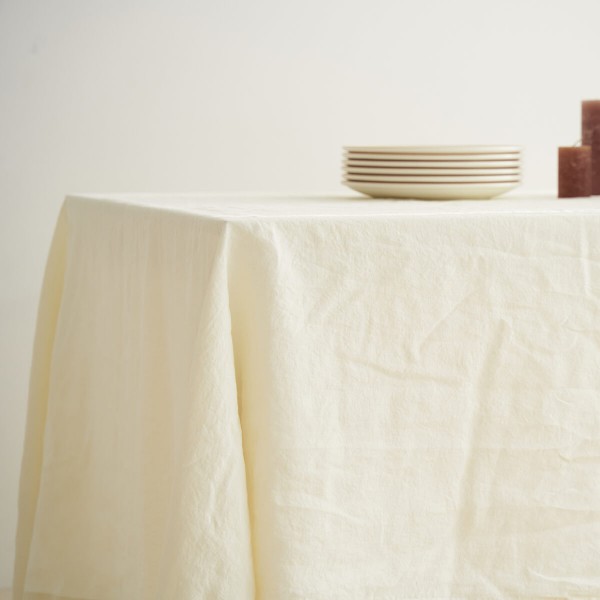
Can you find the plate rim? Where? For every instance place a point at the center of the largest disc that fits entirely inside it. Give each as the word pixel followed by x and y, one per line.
pixel 436 149
pixel 432 164
pixel 431 172
pixel 481 191
pixel 444 181
pixel 433 157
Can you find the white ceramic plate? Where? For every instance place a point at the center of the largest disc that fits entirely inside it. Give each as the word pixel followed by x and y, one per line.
pixel 434 164
pixel 481 191
pixel 379 171
pixel 476 149
pixel 430 157
pixel 433 178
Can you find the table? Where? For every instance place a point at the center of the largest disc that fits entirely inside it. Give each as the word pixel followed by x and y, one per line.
pixel 281 397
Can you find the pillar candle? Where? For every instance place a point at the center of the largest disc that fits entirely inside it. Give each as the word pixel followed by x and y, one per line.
pixel 574 171
pixel 590 136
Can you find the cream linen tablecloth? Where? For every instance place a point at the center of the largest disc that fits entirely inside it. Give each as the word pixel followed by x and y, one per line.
pixel 315 398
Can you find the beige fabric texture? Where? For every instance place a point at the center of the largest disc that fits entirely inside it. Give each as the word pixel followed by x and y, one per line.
pixel 237 397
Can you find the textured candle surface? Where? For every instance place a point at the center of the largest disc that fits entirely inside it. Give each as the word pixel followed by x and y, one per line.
pixel 590 136
pixel 574 171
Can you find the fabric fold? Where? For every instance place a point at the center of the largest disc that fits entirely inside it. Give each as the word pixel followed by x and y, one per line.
pixel 328 398
pixel 31 466
pixel 142 405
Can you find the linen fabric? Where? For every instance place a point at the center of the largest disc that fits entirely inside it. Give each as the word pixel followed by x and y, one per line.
pixel 270 397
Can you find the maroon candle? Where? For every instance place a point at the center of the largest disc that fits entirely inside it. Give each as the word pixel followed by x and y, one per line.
pixel 574 171
pixel 590 136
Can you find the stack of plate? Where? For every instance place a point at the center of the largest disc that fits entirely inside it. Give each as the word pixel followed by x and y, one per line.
pixel 432 172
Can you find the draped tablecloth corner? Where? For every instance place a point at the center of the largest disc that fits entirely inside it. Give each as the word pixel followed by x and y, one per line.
pixel 314 397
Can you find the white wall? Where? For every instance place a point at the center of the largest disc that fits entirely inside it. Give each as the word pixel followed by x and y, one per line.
pixel 174 95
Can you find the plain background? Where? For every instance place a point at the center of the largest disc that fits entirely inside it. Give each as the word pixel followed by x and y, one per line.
pixel 171 95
